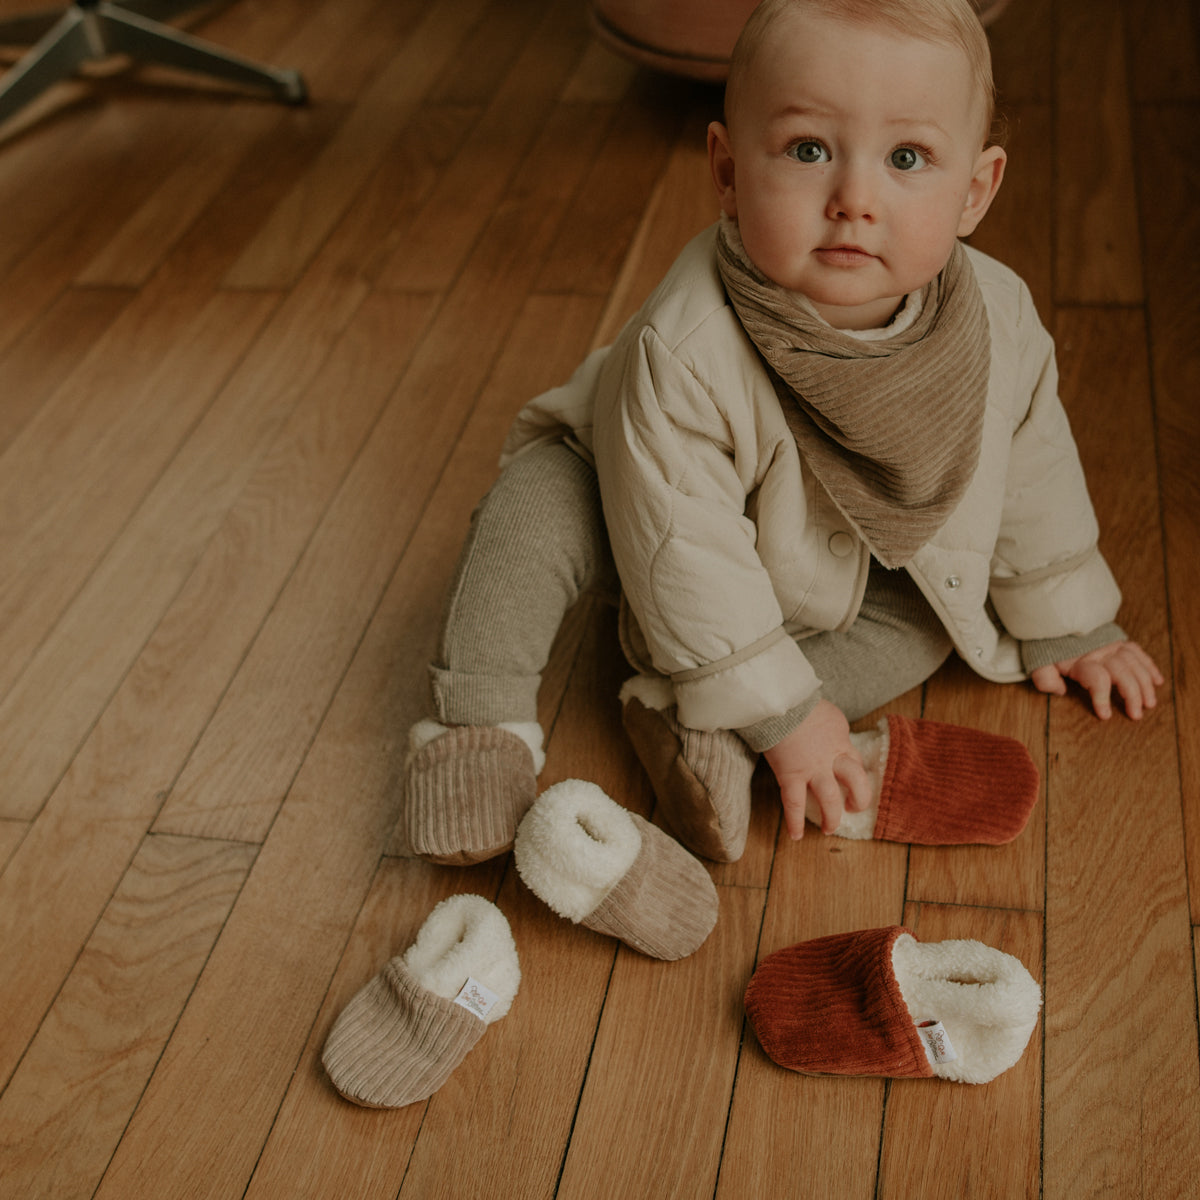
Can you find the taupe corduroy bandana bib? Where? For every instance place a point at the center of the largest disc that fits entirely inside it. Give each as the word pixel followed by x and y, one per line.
pixel 890 428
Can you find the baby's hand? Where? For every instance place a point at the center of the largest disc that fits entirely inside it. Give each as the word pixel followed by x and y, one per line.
pixel 818 757
pixel 1124 665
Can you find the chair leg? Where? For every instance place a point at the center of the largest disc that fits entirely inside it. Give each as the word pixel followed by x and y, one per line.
pixel 57 55
pixel 125 32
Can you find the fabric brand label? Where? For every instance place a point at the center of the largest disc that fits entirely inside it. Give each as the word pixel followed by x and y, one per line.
pixel 938 1047
pixel 477 998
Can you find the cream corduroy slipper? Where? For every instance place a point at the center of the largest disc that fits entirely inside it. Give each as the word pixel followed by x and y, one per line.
pixel 605 868
pixel 880 1002
pixel 700 780
pixel 467 787
pixel 401 1036
pixel 940 785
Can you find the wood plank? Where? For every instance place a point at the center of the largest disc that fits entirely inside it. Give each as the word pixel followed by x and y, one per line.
pixel 1007 233
pixel 294 514
pixel 333 53
pixel 1118 948
pixel 61 687
pixel 349 843
pixel 34 367
pixel 663 1066
pixel 1022 41
pixel 1164 51
pixel 1171 227
pixel 117 173
pixel 66 1107
pixel 683 204
pixel 146 235
pixel 88 457
pixel 785 1128
pixel 1006 877
pixel 1097 252
pixel 305 216
pixel 322 1145
pixel 610 204
pixel 11 833
pixel 358 753
pixel 956 1139
pixel 295 663
pixel 526 1109
pixel 105 801
pixel 432 250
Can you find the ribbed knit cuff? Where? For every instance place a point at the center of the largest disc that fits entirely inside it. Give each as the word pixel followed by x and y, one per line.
pixel 1045 652
pixel 770 731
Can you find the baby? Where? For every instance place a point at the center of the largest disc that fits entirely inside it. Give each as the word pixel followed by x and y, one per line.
pixel 830 452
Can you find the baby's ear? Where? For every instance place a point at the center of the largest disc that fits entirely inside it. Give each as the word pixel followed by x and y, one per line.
pixel 720 161
pixel 985 183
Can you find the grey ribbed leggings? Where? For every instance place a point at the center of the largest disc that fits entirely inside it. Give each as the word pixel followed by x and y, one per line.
pixel 538 542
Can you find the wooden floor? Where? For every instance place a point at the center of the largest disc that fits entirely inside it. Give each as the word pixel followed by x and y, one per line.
pixel 255 367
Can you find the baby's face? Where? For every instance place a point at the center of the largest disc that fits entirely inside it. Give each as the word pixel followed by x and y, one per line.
pixel 852 162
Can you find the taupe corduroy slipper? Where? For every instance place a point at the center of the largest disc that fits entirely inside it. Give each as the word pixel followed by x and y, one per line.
pixel 401 1036
pixel 608 869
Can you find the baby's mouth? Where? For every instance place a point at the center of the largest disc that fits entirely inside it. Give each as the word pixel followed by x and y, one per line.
pixel 845 255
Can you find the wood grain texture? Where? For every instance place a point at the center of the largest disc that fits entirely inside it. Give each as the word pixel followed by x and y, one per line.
pixel 1171 227
pixel 256 367
pixel 1097 249
pixel 944 1139
pixel 67 1105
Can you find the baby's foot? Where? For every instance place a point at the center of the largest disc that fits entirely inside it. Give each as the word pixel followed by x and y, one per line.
pixel 467 787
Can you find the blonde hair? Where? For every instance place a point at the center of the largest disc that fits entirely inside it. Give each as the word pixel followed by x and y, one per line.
pixel 951 22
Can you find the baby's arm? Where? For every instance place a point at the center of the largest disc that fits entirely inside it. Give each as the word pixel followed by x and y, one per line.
pixel 818 757
pixel 1123 665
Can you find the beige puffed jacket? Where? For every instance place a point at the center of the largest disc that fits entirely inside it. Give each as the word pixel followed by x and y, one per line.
pixel 729 551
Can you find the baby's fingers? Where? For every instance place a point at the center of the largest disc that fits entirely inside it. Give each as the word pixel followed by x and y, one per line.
pixel 1135 678
pixel 1097 681
pixel 827 792
pixel 859 792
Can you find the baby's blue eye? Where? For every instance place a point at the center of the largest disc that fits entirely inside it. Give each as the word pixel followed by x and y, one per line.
pixel 907 158
pixel 809 152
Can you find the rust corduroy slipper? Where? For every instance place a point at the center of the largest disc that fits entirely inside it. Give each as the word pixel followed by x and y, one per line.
pixel 467 787
pixel 879 1002
pixel 608 869
pixel 941 785
pixel 401 1036
pixel 701 780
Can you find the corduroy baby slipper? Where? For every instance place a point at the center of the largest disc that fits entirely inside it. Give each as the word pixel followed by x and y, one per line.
pixel 700 780
pixel 605 868
pixel 882 1003
pixel 401 1036
pixel 467 787
pixel 941 785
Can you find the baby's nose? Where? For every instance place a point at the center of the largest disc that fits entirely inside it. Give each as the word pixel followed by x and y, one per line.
pixel 852 197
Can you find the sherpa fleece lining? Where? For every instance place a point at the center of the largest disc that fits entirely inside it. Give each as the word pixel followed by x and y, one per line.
pixel 574 846
pixel 985 999
pixel 530 732
pixel 466 936
pixel 872 746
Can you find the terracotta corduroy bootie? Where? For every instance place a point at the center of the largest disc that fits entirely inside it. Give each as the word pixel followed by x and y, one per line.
pixel 467 787
pixel 700 780
pixel 941 785
pixel 401 1036
pixel 880 1002
pixel 605 868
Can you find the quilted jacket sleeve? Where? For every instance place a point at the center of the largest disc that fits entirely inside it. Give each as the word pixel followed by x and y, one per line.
pixel 1049 579
pixel 675 486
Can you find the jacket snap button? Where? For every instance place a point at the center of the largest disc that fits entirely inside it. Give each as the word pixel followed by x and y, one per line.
pixel 841 544
pixel 953 582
